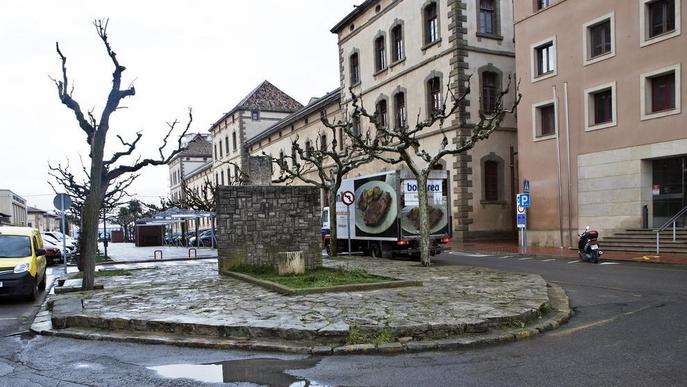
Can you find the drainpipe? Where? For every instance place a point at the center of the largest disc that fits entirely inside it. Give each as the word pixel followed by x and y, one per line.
pixel 567 144
pixel 558 168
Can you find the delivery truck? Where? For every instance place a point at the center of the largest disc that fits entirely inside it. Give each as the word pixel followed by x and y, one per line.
pixel 382 219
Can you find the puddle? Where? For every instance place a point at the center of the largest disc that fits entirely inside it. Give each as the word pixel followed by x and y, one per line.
pixel 266 372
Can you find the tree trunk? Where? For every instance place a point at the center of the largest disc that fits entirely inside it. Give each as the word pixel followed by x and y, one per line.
pixel 90 218
pixel 333 245
pixel 424 218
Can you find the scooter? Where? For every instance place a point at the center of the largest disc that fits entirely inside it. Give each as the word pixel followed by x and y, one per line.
pixel 588 247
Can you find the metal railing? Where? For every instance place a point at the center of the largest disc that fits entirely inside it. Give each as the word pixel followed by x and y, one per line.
pixel 667 224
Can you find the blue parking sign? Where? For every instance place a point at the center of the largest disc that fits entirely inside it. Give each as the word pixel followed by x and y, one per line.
pixel 523 200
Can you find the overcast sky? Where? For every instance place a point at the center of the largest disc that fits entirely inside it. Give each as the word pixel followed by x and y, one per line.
pixel 202 54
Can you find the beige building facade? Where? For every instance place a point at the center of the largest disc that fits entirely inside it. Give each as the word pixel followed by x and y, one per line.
pixel 602 135
pixel 198 154
pixel 14 206
pixel 404 57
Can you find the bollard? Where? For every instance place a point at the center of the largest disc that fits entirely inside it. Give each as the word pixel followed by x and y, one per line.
pixel 155 254
pixel 195 252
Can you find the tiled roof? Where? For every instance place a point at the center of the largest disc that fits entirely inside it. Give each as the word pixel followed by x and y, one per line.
pixel 265 97
pixel 198 147
pixel 315 105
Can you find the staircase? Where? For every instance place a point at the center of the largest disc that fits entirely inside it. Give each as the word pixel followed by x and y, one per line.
pixel 644 241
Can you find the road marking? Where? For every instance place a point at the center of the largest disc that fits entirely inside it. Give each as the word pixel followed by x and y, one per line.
pixel 524 259
pixel 609 263
pixel 476 255
pixel 549 260
pixel 574 261
pixel 506 256
pixel 569 331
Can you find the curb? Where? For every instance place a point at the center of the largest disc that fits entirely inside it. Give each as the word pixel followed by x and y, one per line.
pixel 559 305
pixel 514 254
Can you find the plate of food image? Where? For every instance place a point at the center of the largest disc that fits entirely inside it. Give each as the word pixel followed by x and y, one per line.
pixel 375 207
pixel 410 219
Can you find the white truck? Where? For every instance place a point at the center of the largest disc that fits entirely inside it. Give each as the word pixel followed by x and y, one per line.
pixel 383 220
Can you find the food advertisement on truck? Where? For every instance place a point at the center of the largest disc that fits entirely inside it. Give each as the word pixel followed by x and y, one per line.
pixel 386 207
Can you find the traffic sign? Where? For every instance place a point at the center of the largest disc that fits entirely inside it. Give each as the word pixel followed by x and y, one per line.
pixel 526 186
pixel 62 201
pixel 348 197
pixel 523 200
pixel 521 220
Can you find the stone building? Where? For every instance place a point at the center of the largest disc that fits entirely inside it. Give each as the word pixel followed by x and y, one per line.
pixel 198 154
pixel 259 110
pixel 14 206
pixel 602 137
pixel 401 56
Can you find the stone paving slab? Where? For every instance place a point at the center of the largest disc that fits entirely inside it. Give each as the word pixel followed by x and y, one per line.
pixel 193 301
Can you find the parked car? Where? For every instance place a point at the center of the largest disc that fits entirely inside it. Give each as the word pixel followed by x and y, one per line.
pixel 49 238
pixel 204 236
pixel 72 244
pixel 53 253
pixel 22 262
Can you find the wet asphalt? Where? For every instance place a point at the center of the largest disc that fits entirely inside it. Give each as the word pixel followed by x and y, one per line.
pixel 629 329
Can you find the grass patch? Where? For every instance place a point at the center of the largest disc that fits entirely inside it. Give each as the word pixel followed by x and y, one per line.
pixel 319 278
pixel 356 336
pixel 107 273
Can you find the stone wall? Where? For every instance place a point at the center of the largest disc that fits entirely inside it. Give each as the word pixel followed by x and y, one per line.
pixel 255 223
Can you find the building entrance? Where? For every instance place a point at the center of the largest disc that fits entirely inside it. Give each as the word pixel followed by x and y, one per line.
pixel 669 189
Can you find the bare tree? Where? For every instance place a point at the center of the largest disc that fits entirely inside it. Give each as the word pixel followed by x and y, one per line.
pixel 104 171
pixel 323 166
pixel 404 144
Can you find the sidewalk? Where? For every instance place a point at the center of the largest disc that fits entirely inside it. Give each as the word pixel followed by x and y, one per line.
pixel 126 252
pixel 508 247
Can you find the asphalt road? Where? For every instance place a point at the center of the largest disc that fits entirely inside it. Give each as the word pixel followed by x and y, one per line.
pixel 629 330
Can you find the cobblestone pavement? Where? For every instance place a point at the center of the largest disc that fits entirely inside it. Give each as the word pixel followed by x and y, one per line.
pixel 452 298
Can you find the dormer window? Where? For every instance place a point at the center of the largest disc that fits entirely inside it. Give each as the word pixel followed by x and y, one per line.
pixel 255 115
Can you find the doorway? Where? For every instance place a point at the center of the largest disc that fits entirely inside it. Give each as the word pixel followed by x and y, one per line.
pixel 669 189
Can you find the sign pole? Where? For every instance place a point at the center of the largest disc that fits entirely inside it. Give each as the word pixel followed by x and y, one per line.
pixel 348 225
pixel 64 234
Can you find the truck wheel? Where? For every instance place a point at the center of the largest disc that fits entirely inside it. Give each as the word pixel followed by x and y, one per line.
pixel 375 250
pixel 34 292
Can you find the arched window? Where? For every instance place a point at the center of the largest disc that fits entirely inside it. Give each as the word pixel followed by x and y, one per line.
pixel 226 144
pixel 434 95
pixel 355 69
pixel 220 149
pixel 380 54
pixel 400 110
pixel 491 181
pixel 221 174
pixel 356 126
pixel 431 23
pixel 490 91
pixel 398 50
pixel 382 113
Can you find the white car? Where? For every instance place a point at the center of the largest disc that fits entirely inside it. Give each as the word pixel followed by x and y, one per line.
pixel 50 238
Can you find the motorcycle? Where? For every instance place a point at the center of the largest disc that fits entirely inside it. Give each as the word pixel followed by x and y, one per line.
pixel 588 247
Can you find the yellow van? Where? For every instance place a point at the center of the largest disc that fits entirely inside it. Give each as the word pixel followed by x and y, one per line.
pixel 22 262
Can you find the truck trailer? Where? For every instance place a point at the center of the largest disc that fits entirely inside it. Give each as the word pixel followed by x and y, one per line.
pixel 383 218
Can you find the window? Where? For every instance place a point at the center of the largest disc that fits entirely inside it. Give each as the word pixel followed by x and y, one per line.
pixel 282 161
pixel 541 4
pixel 355 69
pixel 397 53
pixel 233 141
pixel 226 144
pixel 661 17
pixel 221 174
pixel 491 181
pixel 382 113
pixel 659 20
pixel 400 108
pixel 599 39
pixel 434 96
pixel 487 17
pixel 216 178
pixel 380 54
pixel 431 23
pixel 323 142
pixel 490 91
pixel 660 92
pixel 544 120
pixel 356 126
pixel 341 139
pixel 308 149
pixel 220 149
pixel 600 109
pixel 544 59
pixel 255 115
pixel 215 152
